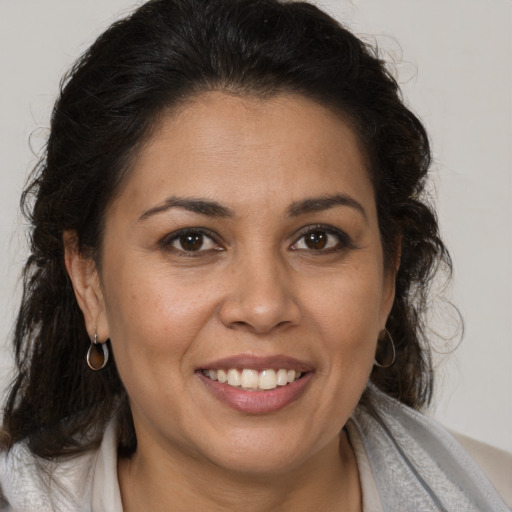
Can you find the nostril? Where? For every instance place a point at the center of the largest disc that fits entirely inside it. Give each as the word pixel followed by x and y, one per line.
pixel 259 327
pixel 238 323
pixel 260 309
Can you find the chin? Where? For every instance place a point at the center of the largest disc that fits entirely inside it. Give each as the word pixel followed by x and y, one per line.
pixel 260 452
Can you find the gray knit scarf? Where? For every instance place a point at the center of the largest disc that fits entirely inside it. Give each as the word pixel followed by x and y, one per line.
pixel 417 465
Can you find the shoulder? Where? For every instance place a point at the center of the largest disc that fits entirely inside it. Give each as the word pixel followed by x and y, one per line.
pixel 495 463
pixel 29 483
pixel 405 446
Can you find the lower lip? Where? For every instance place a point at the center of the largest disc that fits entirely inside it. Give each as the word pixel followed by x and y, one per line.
pixel 257 402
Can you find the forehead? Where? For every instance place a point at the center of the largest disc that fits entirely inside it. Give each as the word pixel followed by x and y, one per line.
pixel 242 149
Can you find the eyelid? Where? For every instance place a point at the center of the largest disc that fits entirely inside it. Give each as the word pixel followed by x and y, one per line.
pixel 166 242
pixel 344 239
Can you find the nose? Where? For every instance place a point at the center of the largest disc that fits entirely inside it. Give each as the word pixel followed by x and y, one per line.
pixel 261 297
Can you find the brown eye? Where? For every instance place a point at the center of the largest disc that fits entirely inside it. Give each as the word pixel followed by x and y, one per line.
pixel 316 240
pixel 191 241
pixel 322 240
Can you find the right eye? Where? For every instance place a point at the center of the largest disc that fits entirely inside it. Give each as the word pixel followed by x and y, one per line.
pixel 191 241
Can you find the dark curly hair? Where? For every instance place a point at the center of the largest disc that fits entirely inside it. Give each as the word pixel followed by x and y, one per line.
pixel 110 101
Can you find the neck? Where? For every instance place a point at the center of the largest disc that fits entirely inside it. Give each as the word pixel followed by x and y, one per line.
pixel 327 481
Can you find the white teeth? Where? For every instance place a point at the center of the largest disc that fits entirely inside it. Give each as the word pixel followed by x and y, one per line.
pixel 253 379
pixel 282 377
pixel 268 379
pixel 249 379
pixel 233 377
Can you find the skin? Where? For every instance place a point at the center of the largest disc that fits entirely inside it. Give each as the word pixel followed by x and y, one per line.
pixel 254 288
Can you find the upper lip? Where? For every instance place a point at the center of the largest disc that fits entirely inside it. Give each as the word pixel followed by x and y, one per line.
pixel 251 362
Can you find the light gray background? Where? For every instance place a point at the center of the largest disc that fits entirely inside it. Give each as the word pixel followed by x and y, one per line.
pixel 453 60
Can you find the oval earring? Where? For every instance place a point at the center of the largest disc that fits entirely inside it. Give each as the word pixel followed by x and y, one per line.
pixel 385 356
pixel 97 355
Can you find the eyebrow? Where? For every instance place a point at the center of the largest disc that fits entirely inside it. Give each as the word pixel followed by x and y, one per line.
pixel 201 206
pixel 214 209
pixel 316 204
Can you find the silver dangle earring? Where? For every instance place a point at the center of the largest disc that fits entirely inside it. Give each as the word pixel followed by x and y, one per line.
pixel 385 354
pixel 97 355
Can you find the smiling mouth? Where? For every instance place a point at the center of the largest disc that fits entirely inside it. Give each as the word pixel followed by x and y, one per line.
pixel 254 380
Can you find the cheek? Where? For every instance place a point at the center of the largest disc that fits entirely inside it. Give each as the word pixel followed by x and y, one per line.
pixel 349 304
pixel 343 321
pixel 151 314
pixel 154 323
pixel 347 318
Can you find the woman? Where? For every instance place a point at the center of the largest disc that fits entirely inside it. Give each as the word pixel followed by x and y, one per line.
pixel 230 260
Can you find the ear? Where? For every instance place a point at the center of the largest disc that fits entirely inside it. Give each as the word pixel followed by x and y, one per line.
pixel 390 273
pixel 86 284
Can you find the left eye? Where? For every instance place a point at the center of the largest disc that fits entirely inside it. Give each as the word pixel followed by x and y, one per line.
pixel 317 240
pixel 192 242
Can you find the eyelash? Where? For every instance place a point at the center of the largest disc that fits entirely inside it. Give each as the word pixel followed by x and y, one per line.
pixel 344 241
pixel 167 242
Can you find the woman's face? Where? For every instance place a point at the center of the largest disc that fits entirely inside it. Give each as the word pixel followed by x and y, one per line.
pixel 244 245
